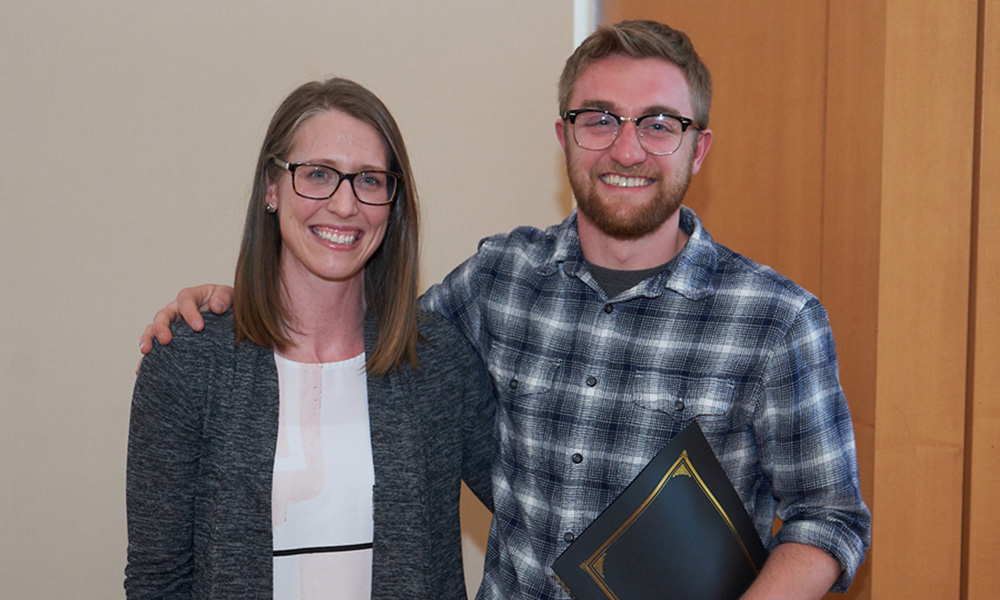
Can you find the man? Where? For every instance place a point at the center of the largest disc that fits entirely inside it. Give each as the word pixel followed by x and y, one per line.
pixel 608 333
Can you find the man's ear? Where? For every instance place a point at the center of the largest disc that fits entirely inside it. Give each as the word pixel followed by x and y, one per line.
pixel 701 147
pixel 561 133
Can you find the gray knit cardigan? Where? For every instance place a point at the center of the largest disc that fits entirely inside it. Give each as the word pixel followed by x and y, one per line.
pixel 201 453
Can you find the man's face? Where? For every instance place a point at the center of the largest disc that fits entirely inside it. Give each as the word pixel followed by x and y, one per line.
pixel 624 190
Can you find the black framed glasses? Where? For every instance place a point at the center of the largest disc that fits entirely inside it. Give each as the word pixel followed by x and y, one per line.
pixel 320 182
pixel 659 134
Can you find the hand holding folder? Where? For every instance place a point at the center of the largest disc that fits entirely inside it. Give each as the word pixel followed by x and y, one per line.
pixel 678 531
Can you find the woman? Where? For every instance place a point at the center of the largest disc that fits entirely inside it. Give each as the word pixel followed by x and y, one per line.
pixel 312 441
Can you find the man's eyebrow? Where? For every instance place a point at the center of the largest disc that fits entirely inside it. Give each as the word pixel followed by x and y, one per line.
pixel 598 104
pixel 661 109
pixel 656 109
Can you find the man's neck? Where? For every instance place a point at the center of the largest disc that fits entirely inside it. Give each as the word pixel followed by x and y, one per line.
pixel 653 249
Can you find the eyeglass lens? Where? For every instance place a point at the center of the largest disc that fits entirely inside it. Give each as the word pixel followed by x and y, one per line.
pixel 320 182
pixel 658 134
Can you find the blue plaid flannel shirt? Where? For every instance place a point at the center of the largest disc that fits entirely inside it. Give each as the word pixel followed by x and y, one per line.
pixel 590 388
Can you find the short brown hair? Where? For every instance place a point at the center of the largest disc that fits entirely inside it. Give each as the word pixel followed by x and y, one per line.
pixel 642 39
pixel 392 272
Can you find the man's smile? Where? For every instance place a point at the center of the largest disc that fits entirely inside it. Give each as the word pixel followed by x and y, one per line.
pixel 616 180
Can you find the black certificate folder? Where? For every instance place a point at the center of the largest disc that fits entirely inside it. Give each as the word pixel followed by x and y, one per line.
pixel 678 532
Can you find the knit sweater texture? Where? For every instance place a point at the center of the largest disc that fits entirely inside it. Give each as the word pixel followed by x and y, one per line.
pixel 201 451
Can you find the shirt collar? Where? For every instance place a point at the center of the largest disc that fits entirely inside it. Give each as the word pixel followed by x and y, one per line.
pixel 566 251
pixel 692 275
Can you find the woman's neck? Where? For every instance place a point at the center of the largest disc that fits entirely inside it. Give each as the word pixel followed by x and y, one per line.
pixel 326 319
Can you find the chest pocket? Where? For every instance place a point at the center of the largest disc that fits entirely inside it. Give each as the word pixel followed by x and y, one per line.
pixel 685 398
pixel 517 375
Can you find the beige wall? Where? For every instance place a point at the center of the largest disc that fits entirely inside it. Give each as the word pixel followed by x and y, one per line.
pixel 128 133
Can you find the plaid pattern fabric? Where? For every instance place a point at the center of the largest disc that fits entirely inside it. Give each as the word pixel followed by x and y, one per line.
pixel 590 388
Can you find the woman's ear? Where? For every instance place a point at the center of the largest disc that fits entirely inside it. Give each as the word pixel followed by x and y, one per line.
pixel 270 195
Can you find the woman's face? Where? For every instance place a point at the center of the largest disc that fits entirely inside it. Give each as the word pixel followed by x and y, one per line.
pixel 330 239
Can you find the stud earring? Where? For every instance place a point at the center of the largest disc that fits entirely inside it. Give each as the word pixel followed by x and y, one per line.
pixel 270 208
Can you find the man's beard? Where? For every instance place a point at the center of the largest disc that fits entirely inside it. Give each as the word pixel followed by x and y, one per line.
pixel 621 219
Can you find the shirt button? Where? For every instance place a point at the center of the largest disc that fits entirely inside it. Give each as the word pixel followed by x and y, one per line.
pixel 591 381
pixel 608 308
pixel 513 384
pixel 679 405
pixel 568 536
pixel 577 458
